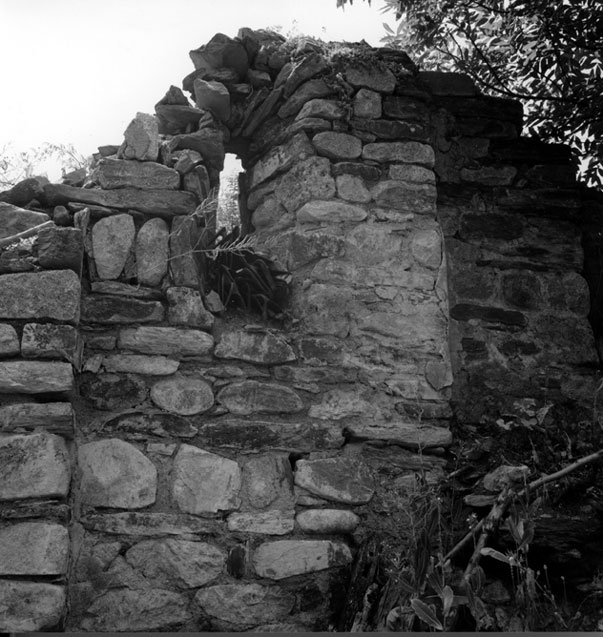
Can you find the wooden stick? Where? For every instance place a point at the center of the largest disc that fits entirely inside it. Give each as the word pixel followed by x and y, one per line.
pixel 26 233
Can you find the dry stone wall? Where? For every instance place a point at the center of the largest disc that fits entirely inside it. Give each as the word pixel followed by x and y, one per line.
pixel 224 470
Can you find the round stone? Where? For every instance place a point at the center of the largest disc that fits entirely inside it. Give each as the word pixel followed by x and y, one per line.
pixel 182 395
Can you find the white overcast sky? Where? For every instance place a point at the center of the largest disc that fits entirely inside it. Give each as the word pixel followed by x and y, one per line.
pixel 77 71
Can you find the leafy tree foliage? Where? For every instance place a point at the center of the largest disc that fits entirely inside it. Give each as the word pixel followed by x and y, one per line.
pixel 546 53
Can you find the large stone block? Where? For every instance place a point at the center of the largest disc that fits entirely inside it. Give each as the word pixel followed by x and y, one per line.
pixel 112 240
pixel 203 482
pixel 35 377
pixel 281 158
pixel 309 90
pixel 183 395
pixel 140 364
pixel 141 139
pixel 327 521
pixel 344 479
pixel 170 341
pixel 115 474
pixel 151 524
pixel 286 558
pixel 44 340
pixel 251 397
pixel 152 252
pixel 175 562
pixel 104 309
pixel 164 203
pixel 186 308
pixel 243 606
pixel 29 606
pixel 61 248
pixel 330 212
pixel 407 152
pixel 34 466
pixel 273 522
pixel 306 180
pixel 263 348
pixel 363 75
pixel 54 294
pixel 148 175
pixel 112 391
pixel 9 340
pixel 337 146
pixel 184 240
pixel 124 610
pixel 34 548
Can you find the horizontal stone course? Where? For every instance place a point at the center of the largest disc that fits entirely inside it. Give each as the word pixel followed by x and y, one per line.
pixel 30 606
pixel 34 548
pixel 35 377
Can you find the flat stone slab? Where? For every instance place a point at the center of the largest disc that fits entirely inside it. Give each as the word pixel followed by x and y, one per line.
pixel 35 377
pixel 327 521
pixel 126 610
pixel 99 308
pixel 140 364
pixel 115 474
pixel 14 219
pixel 34 466
pixel 183 395
pixel 34 548
pixel 407 152
pixel 250 397
pixel 281 158
pixel 346 480
pixel 54 294
pixel 265 522
pixel 240 606
pixel 175 562
pixel 261 348
pixel 148 175
pixel 203 482
pixel 164 203
pixel 286 558
pixel 170 341
pixel 409 435
pixel 330 212
pixel 141 139
pixel 150 524
pixel 30 415
pixel 137 425
pixel 30 606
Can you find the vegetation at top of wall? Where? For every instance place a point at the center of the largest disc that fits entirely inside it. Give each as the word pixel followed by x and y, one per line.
pixel 546 53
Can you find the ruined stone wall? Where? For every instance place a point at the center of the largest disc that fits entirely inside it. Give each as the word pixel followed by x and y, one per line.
pixel 223 470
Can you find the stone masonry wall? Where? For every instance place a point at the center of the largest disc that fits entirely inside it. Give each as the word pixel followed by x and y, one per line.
pixel 224 470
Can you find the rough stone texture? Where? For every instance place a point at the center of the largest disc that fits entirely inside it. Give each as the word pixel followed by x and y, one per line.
pixel 14 219
pixel 152 252
pixel 203 482
pixel 183 395
pixel 307 180
pixel 409 435
pixel 371 77
pixel 325 109
pixel 184 240
pixel 267 523
pixel 263 348
pixel 327 521
pixel 330 212
pixel 412 173
pixel 60 248
pixel 34 466
pixel 352 188
pixel 170 341
pixel 407 152
pixel 124 610
pixel 51 295
pixel 112 240
pixel 35 377
pixel 343 479
pixel 208 142
pixel 267 481
pixel 137 425
pixel 30 606
pixel 117 173
pixel 141 139
pixel 337 146
pixel 308 91
pixel 98 308
pixel 405 197
pixel 111 391
pixel 177 562
pixel 115 474
pixel 140 364
pixel 186 308
pixel 150 524
pixel 43 340
pixel 367 104
pixel 164 203
pixel 18 416
pixel 9 341
pixel 243 606
pixel 286 558
pixel 214 97
pixel 251 397
pixel 34 548
pixel 281 158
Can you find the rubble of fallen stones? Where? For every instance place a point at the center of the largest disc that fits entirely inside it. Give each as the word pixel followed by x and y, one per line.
pixel 188 469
